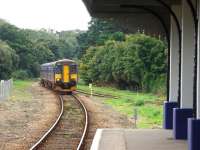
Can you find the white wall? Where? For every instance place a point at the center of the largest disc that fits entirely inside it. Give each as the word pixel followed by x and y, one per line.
pixel 187 66
pixel 174 56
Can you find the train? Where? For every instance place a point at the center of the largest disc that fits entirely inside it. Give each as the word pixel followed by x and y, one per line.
pixel 61 75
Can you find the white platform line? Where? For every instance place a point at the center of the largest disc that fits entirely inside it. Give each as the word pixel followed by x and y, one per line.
pixel 96 140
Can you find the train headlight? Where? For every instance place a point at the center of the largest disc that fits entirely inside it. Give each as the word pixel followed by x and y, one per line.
pixel 57 79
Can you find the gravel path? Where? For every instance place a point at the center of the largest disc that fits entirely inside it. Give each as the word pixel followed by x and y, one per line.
pixel 23 121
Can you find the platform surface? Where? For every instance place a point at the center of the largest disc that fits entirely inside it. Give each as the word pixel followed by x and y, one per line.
pixel 141 139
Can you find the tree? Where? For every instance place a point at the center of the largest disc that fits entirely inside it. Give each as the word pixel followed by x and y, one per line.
pixel 100 31
pixel 8 60
pixel 36 47
pixel 139 61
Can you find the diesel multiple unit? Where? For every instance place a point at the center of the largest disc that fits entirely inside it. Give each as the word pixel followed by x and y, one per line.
pixel 60 75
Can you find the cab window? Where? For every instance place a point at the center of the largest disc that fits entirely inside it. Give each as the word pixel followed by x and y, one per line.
pixel 58 69
pixel 73 68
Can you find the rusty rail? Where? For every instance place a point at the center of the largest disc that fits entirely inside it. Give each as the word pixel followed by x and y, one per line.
pixel 36 145
pixel 97 94
pixel 81 143
pixel 83 137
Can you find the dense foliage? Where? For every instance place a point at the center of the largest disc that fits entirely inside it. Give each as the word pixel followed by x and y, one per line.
pixel 137 62
pixel 108 54
pixel 22 51
pixel 8 60
pixel 98 33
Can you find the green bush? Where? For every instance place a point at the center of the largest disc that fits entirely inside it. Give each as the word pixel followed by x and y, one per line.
pixel 8 60
pixel 20 74
pixel 139 62
pixel 159 85
pixel 139 102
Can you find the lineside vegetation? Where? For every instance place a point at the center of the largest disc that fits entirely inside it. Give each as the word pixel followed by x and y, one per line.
pixel 138 62
pixel 148 106
pixel 108 55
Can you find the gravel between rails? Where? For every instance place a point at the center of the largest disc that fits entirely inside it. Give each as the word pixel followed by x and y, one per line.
pixel 67 134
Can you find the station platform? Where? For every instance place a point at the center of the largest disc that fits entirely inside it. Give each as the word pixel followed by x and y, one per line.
pixel 136 139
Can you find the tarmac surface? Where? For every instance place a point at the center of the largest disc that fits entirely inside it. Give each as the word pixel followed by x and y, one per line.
pixel 138 139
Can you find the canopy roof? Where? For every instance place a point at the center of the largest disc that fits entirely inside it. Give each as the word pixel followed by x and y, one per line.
pixel 62 61
pixel 99 7
pixel 134 14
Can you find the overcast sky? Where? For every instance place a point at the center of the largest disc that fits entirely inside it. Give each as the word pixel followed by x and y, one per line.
pixel 50 14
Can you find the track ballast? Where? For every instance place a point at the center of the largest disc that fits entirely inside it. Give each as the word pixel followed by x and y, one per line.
pixel 69 130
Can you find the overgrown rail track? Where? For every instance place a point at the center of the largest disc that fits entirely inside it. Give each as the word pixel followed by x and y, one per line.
pixel 64 134
pixel 97 94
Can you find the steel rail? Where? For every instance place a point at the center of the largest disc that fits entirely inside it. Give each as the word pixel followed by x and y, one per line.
pixel 97 94
pixel 81 143
pixel 36 145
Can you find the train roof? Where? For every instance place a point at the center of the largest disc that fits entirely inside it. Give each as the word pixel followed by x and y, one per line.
pixel 62 61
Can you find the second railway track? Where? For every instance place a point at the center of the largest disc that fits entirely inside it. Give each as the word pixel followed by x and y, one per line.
pixel 69 130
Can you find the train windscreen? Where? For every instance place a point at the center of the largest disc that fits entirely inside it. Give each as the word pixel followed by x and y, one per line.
pixel 73 69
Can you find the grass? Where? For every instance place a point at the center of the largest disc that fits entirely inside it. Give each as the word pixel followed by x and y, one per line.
pixel 20 90
pixel 148 106
pixel 22 84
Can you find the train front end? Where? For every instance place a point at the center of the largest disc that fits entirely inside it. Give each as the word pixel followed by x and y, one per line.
pixel 66 76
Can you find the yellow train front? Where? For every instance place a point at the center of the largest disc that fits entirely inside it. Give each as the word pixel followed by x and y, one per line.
pixel 61 75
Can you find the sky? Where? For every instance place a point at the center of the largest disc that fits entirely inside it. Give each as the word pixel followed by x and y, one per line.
pixel 49 14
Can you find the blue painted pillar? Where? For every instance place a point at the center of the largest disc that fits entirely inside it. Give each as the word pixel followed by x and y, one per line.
pixel 193 134
pixel 180 122
pixel 194 123
pixel 168 114
pixel 181 115
pixel 174 71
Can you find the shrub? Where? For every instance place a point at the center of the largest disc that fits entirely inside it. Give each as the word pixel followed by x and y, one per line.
pixel 159 85
pixel 139 62
pixel 20 74
pixel 139 102
pixel 8 60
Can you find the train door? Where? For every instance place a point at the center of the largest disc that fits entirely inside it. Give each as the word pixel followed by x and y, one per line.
pixel 65 73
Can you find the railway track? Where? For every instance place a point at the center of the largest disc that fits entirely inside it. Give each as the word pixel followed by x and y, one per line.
pixel 70 128
pixel 97 94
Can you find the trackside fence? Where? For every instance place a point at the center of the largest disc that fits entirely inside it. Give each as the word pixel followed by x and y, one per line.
pixel 5 89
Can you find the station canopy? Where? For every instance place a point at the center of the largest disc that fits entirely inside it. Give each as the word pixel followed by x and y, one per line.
pixel 133 13
pixel 104 7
